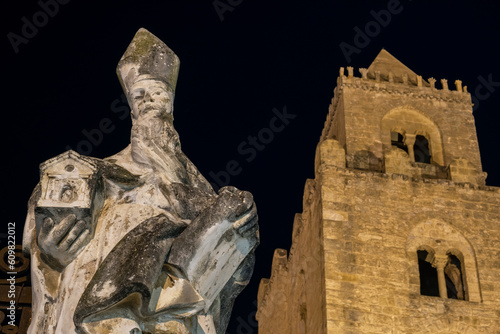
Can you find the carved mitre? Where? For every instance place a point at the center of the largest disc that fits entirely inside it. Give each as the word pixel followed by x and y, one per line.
pixel 147 57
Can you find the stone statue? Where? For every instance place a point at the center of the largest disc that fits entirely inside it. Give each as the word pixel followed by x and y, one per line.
pixel 138 242
pixel 455 275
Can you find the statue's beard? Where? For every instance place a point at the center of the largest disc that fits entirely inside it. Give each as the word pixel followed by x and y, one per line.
pixel 157 131
pixel 156 144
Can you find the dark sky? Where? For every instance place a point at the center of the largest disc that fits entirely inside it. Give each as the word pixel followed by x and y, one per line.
pixel 238 63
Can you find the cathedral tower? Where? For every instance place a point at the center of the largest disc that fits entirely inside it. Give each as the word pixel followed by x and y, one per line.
pixel 399 233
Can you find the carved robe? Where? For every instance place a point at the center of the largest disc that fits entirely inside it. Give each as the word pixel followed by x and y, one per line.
pixel 123 277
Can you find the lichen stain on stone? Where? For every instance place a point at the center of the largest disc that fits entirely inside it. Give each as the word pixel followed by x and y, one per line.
pixel 151 191
pixel 170 282
pixel 51 278
pixel 143 41
pixel 214 265
pixel 88 268
pixel 106 290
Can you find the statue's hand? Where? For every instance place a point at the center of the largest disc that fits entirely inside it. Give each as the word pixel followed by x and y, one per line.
pixel 60 242
pixel 243 211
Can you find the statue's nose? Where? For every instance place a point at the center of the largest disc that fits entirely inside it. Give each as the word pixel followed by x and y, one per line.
pixel 148 98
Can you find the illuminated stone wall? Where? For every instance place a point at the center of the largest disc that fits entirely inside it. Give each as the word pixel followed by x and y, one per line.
pixel 353 265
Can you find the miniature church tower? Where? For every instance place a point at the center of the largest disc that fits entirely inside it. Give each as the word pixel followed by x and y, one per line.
pixel 399 233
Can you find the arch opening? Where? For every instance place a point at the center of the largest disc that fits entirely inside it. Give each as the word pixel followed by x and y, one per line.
pixel 452 256
pixel 398 140
pixel 454 278
pixel 420 135
pixel 421 150
pixel 428 274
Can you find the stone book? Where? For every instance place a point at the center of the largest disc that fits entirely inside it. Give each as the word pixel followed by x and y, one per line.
pixel 209 252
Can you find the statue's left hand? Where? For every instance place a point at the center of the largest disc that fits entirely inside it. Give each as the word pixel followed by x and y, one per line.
pixel 244 216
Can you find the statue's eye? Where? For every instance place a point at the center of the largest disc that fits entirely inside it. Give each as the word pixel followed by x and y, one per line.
pixel 138 94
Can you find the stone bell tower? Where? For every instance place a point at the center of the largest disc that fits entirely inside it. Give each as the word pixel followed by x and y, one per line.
pixel 399 233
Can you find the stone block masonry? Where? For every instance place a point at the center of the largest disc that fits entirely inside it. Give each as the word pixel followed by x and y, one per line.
pixel 399 233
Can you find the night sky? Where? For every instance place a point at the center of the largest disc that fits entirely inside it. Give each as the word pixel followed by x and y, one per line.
pixel 242 62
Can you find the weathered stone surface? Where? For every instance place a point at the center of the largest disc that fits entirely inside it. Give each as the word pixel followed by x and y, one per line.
pixel 353 265
pixel 138 242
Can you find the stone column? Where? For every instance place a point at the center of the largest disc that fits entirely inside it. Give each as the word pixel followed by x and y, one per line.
pixel 439 263
pixel 409 142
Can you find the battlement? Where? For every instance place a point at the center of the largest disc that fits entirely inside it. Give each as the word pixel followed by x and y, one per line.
pixel 389 119
pixel 405 79
pixel 396 84
pixel 404 84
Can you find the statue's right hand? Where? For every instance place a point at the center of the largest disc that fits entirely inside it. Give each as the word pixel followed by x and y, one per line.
pixel 61 241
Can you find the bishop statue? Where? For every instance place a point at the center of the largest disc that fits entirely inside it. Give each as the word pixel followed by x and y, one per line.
pixel 138 242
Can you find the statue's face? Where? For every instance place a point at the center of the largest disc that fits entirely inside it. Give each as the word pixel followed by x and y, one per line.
pixel 152 115
pixel 150 98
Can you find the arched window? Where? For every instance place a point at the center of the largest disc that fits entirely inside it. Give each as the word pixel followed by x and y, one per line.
pixel 397 140
pixel 421 135
pixel 421 150
pixel 445 256
pixel 428 274
pixel 454 278
pixel 430 278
